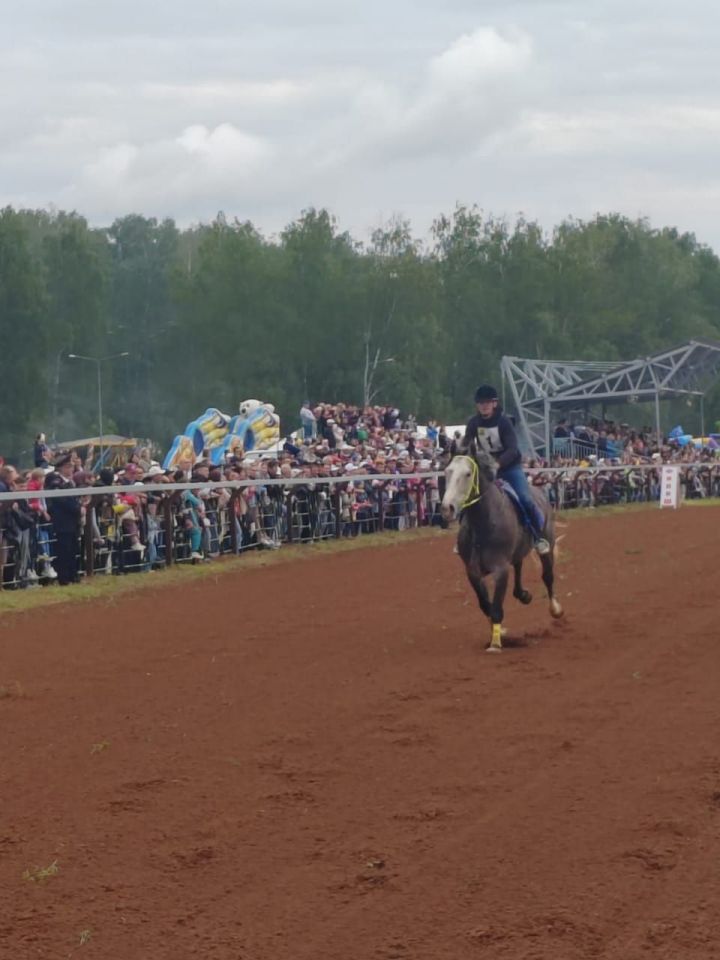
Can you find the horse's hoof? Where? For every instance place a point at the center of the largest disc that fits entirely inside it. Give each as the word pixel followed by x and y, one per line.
pixel 525 597
pixel 492 649
pixel 556 611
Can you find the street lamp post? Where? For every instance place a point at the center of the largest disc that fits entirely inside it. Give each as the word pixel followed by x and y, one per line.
pixel 99 362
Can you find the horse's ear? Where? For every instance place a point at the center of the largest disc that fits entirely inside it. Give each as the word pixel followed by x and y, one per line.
pixel 472 449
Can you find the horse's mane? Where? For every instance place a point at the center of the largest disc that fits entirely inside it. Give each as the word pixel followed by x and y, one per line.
pixel 482 458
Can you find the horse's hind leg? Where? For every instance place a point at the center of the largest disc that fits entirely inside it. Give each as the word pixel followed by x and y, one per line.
pixel 548 576
pixel 519 592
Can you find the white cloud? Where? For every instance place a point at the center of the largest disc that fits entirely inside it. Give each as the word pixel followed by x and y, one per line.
pixel 112 166
pixel 477 57
pixel 243 92
pixel 620 131
pixel 224 149
pixel 457 99
pixel 472 88
pixel 178 109
pixel 160 175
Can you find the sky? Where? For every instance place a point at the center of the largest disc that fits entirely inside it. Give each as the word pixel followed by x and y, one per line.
pixel 371 109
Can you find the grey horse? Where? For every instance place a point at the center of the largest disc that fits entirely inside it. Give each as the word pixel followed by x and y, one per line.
pixel 492 538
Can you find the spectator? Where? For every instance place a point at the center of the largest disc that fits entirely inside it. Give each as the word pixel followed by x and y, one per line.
pixel 65 513
pixel 41 451
pixel 308 421
pixel 562 430
pixel 104 520
pixel 41 545
pixel 154 500
pixel 15 522
pixel 190 512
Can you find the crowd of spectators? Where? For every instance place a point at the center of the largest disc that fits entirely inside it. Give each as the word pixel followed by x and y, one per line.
pixel 346 438
pixel 46 539
pixel 373 454
pixel 570 485
pixel 608 442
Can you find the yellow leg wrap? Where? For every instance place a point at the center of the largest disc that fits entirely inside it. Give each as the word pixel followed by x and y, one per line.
pixel 496 641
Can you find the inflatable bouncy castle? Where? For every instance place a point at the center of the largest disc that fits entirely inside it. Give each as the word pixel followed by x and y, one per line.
pixel 256 427
pixel 682 439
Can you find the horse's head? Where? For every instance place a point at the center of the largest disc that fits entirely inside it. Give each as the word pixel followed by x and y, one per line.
pixel 467 477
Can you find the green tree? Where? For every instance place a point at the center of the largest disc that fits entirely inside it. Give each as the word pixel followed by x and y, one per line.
pixel 142 321
pixel 23 373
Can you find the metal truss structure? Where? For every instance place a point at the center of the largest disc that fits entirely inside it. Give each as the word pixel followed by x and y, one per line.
pixel 538 387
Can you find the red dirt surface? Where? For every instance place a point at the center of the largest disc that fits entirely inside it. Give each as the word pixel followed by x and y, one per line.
pixel 317 760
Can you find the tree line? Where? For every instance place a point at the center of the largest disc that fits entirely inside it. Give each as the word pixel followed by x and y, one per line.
pixel 217 313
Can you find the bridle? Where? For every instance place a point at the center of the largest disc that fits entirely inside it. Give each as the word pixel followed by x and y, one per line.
pixel 474 494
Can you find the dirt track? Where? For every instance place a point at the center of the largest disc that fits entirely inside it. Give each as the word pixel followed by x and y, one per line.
pixel 317 761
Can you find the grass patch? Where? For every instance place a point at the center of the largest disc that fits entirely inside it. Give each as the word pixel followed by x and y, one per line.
pixel 608 510
pixel 41 874
pixel 615 508
pixel 108 588
pixel 12 691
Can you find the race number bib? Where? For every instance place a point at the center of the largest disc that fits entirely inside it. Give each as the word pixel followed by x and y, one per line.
pixel 489 439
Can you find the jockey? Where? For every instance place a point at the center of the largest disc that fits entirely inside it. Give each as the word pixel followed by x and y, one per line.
pixel 493 432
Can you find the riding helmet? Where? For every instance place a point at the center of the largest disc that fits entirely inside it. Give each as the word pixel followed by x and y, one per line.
pixel 485 392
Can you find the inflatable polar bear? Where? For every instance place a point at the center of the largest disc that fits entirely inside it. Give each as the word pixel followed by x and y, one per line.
pixel 247 407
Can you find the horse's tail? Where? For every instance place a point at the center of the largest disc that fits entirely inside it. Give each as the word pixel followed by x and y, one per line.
pixel 557 537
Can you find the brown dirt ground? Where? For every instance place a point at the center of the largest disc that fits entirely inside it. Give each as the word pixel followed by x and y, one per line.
pixel 317 761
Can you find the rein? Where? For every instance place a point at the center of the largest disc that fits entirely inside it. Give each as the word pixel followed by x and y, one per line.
pixel 474 495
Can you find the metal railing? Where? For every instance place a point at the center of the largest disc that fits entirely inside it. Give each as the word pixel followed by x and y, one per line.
pixel 572 487
pixel 131 529
pixel 165 524
pixel 570 448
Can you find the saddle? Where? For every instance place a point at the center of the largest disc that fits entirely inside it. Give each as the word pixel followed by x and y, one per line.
pixel 509 492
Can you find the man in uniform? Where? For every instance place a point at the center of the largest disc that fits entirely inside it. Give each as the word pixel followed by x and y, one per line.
pixel 65 515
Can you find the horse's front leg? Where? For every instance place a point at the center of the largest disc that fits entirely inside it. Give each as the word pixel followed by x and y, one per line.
pixel 500 578
pixel 478 584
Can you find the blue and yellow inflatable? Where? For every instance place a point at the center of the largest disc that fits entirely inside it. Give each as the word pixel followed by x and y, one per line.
pixel 257 427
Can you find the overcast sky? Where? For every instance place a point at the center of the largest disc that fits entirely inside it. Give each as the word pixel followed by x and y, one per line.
pixel 370 108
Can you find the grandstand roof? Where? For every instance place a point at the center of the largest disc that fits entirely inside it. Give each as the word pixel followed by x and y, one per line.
pixel 539 385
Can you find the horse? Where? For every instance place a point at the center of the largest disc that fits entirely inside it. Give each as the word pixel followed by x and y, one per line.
pixel 492 537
